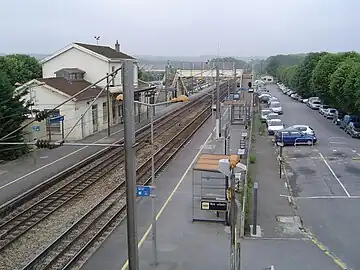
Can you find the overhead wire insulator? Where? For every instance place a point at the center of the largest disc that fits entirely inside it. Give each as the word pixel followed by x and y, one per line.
pixel 45 144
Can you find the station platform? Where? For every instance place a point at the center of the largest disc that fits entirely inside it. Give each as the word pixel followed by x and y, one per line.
pixel 182 243
pixel 20 175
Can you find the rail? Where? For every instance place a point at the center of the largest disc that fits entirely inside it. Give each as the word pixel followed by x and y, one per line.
pixel 13 228
pixel 104 216
pixel 29 194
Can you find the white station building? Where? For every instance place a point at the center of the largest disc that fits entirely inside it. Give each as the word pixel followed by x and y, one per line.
pixel 66 73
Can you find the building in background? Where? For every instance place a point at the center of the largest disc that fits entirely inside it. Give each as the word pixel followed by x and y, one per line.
pixel 66 73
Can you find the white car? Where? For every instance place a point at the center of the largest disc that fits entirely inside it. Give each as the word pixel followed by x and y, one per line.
pixel 272 99
pixel 271 116
pixel 275 125
pixel 304 129
pixel 276 107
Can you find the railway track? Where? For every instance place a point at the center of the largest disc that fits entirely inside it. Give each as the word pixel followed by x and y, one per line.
pixel 109 211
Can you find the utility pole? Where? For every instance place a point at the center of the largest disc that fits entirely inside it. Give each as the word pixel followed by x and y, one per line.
pixel 108 104
pixel 166 79
pixel 218 123
pixel 234 69
pixel 130 168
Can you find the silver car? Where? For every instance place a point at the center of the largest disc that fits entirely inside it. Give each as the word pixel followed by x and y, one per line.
pixel 315 105
pixel 330 113
pixel 276 107
pixel 263 114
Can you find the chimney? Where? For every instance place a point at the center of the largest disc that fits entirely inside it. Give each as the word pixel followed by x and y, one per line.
pixel 117 46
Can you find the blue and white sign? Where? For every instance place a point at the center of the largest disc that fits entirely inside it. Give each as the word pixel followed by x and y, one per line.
pixel 143 191
pixel 56 119
pixel 36 128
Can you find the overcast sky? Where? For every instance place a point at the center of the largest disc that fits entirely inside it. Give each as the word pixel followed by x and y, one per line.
pixel 182 27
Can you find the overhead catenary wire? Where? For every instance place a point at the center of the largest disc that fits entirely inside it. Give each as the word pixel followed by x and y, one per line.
pixel 62 103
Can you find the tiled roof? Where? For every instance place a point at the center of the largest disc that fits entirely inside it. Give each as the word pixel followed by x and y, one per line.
pixel 73 87
pixel 72 70
pixel 105 51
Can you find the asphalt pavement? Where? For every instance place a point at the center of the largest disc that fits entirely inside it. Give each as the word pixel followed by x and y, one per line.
pixel 325 182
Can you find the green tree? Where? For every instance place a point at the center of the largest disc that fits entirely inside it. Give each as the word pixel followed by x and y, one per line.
pixel 273 63
pixel 337 84
pixel 12 114
pixel 320 79
pixel 305 72
pixel 20 68
pixel 351 94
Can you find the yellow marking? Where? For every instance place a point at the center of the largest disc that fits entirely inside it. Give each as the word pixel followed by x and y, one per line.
pixel 142 240
pixel 313 239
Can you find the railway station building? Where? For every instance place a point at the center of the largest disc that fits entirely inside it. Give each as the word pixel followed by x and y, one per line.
pixel 66 73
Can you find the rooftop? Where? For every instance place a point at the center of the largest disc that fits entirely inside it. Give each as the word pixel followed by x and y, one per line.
pixel 73 87
pixel 105 51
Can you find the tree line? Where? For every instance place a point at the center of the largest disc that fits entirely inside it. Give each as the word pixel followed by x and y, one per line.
pixel 15 69
pixel 333 77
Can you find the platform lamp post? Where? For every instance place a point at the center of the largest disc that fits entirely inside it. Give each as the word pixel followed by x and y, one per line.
pixel 181 98
pixel 229 167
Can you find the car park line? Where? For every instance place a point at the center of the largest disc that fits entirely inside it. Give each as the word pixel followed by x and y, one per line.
pixel 333 173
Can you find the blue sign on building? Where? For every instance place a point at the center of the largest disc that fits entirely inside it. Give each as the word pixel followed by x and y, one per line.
pixel 56 119
pixel 143 191
pixel 36 128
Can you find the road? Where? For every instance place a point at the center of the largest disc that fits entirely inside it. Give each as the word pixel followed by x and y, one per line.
pixel 325 181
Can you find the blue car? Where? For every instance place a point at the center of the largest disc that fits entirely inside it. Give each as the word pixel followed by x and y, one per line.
pixel 294 137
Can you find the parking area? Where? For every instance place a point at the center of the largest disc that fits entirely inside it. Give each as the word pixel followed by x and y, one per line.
pixel 323 171
pixel 325 181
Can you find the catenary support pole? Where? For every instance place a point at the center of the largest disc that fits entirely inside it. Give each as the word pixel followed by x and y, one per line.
pixel 218 124
pixel 130 169
pixel 108 104
pixel 153 201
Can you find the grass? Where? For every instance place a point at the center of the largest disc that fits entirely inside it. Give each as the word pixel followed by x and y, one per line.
pixel 250 181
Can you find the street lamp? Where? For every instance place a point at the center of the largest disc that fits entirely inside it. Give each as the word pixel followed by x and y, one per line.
pixel 228 167
pixel 181 98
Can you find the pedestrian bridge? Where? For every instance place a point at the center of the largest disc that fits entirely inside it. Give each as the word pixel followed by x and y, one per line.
pixel 208 73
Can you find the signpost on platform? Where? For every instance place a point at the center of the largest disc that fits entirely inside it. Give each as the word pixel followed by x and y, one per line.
pixel 144 191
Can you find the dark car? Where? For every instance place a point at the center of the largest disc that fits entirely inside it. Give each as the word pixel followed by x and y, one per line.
pixel 339 115
pixel 347 119
pixel 294 137
pixel 353 129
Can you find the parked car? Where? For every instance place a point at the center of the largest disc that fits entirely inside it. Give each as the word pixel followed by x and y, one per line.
pixel 264 98
pixel 347 119
pixel 293 96
pixel 302 128
pixel 310 99
pixel 339 115
pixel 275 125
pixel 263 115
pixel 305 100
pixel 294 137
pixel 272 99
pixel 315 104
pixel 322 108
pixel 271 116
pixel 276 107
pixel 289 93
pixel 330 113
pixel 353 129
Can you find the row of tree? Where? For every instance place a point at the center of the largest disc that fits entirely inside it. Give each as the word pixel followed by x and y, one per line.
pixel 333 77
pixel 14 70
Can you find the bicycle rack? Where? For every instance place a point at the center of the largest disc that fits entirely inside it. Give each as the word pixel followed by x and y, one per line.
pixel 295 144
